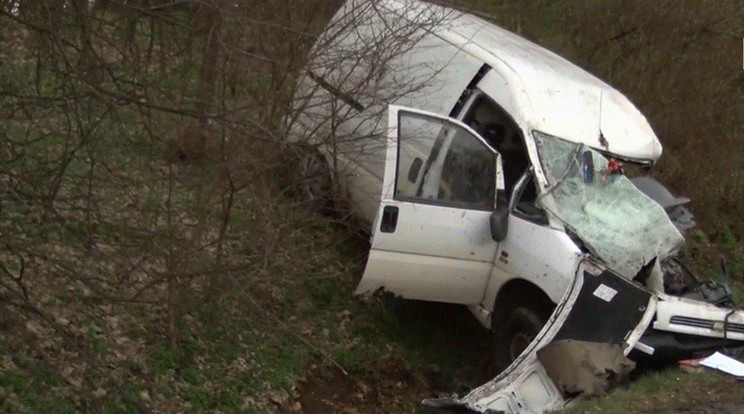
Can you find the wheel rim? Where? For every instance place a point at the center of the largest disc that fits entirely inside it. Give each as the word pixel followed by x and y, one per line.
pixel 313 178
pixel 519 342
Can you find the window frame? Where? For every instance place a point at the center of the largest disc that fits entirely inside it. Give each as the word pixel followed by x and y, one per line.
pixel 439 147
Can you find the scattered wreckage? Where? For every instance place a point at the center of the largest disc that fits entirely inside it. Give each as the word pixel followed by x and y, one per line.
pixel 491 173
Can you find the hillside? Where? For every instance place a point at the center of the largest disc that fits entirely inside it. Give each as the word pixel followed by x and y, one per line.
pixel 154 256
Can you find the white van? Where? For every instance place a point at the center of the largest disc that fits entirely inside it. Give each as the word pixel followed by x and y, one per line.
pixel 489 171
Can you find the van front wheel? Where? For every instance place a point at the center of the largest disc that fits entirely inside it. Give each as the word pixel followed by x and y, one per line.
pixel 514 336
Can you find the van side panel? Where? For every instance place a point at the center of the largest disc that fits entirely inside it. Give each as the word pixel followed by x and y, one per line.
pixel 538 254
pixel 370 57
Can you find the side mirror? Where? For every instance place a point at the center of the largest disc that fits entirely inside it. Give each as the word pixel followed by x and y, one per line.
pixel 499 220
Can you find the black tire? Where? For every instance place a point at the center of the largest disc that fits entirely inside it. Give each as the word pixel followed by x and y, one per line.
pixel 313 181
pixel 519 329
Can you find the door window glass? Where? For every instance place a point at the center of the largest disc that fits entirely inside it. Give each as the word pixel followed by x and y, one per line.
pixel 442 162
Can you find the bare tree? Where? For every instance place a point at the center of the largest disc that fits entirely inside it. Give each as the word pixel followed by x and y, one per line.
pixel 141 160
pixel 364 60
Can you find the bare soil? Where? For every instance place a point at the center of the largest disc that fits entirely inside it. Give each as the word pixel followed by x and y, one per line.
pixel 332 391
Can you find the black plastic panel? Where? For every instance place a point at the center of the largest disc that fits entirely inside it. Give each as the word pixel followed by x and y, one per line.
pixel 594 319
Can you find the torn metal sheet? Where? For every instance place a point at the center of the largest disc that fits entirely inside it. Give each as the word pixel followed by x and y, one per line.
pixel 599 307
pixel 587 368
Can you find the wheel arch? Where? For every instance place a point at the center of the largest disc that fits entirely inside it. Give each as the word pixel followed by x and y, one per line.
pixel 520 292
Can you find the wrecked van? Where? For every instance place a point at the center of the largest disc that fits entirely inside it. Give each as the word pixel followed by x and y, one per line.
pixel 490 173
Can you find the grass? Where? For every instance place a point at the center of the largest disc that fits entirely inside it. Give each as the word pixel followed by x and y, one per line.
pixel 21 391
pixel 671 390
pixel 632 398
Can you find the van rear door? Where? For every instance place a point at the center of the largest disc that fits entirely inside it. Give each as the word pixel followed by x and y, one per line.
pixel 432 239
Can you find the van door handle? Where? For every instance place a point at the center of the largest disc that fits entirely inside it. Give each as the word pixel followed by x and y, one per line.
pixel 389 219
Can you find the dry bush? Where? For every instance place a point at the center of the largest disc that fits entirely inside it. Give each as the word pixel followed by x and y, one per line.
pixel 138 156
pixel 142 181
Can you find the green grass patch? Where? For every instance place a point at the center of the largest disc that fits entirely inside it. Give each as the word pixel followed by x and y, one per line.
pixel 32 391
pixel 353 359
pixel 670 390
pixel 162 357
pixel 281 364
pixel 14 382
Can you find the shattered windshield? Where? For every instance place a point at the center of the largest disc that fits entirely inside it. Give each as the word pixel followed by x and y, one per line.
pixel 615 221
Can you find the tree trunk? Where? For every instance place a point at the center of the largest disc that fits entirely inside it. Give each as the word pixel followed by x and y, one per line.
pixel 193 139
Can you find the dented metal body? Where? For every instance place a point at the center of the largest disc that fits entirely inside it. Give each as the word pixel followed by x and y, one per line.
pixel 586 315
pixel 492 182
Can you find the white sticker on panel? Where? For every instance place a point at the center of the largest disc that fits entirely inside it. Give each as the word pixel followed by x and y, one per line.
pixel 605 293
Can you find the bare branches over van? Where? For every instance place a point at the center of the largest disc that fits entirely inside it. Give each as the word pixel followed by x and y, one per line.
pixel 358 65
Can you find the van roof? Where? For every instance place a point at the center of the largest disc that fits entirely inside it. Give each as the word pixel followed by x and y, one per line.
pixel 563 99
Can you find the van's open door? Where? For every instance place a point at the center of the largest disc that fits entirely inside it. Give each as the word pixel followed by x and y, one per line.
pixel 431 238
